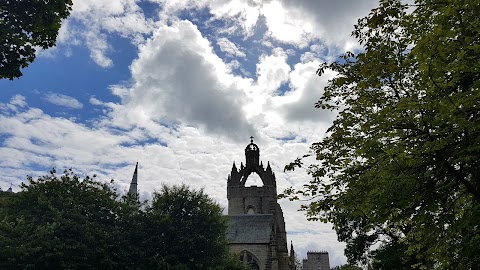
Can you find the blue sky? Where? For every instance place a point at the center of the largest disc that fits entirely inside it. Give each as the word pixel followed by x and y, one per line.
pixel 179 86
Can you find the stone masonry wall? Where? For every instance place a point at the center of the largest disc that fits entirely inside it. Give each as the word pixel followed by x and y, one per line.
pixel 261 252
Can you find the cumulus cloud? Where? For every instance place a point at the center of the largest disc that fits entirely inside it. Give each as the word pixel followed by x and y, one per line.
pixel 272 70
pixel 330 21
pixel 289 26
pixel 63 100
pixel 306 89
pixel 291 22
pixel 179 78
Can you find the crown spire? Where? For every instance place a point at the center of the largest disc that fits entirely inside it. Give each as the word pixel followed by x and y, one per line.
pixel 252 154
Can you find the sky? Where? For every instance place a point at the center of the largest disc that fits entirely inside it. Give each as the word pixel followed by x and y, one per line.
pixel 180 86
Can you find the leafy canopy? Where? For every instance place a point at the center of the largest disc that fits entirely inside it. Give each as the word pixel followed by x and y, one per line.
pixel 186 230
pixel 400 164
pixel 346 267
pixel 60 223
pixel 26 25
pixel 64 222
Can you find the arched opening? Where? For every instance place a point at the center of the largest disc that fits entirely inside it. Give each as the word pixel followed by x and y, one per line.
pixel 250 210
pixel 249 260
pixel 254 180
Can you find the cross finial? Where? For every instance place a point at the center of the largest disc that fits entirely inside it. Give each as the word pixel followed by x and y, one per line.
pixel 251 139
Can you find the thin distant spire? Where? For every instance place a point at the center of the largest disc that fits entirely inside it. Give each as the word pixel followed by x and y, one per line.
pixel 133 184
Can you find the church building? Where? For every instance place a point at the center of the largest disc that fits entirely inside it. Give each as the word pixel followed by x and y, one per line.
pixel 256 231
pixel 256 228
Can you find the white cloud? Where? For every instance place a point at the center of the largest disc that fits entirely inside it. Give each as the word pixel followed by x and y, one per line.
pixel 98 46
pixel 15 103
pixel 331 21
pixel 178 78
pixel 63 100
pixel 306 89
pixel 90 22
pixel 95 101
pixel 18 100
pixel 229 48
pixel 272 70
pixel 293 22
pixel 289 26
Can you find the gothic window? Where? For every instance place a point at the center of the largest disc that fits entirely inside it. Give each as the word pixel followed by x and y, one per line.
pixel 250 210
pixel 249 260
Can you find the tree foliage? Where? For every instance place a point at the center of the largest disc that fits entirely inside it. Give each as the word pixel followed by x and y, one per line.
pixel 64 222
pixel 393 255
pixel 347 267
pixel 193 231
pixel 400 164
pixel 60 223
pixel 24 26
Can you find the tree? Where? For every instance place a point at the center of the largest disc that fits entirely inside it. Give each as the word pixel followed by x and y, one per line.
pixel 24 26
pixel 348 267
pixel 393 255
pixel 71 223
pixel 60 223
pixel 193 231
pixel 399 165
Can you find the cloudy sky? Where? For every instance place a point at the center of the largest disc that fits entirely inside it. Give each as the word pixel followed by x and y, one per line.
pixel 180 86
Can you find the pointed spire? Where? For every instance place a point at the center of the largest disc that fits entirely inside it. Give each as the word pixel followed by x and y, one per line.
pixel 133 184
pixel 269 169
pixel 234 170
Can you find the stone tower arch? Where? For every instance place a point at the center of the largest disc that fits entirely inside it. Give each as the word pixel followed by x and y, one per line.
pixel 254 180
pixel 256 222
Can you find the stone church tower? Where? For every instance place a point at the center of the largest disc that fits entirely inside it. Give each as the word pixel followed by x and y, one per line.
pixel 256 231
pixel 316 261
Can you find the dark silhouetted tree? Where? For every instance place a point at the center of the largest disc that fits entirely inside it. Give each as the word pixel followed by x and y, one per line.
pixel 24 26
pixel 60 223
pixel 71 223
pixel 400 165
pixel 347 267
pixel 193 231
